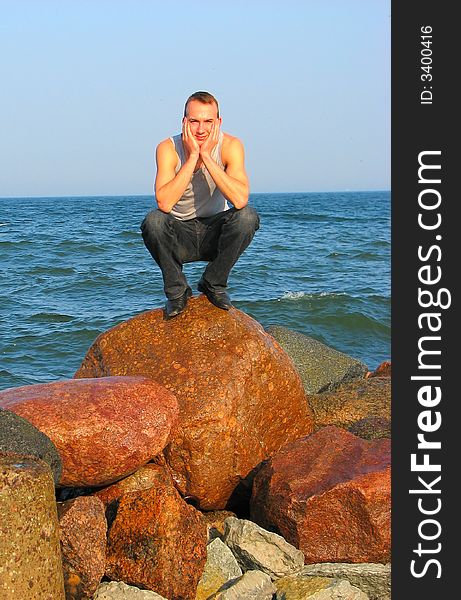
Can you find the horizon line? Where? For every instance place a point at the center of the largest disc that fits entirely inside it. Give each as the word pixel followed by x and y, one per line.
pixel 347 191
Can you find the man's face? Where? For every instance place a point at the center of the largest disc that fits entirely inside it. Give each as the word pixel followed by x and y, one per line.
pixel 201 118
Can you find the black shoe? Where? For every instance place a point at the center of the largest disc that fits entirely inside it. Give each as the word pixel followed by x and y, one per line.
pixel 177 305
pixel 219 299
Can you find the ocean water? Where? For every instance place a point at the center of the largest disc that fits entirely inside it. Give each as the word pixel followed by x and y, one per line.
pixel 73 267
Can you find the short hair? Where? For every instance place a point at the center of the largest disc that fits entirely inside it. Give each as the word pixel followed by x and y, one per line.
pixel 204 98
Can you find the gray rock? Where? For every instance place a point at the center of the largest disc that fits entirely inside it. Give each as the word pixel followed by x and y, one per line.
pixel 252 585
pixel 19 436
pixel 320 367
pixel 258 549
pixel 221 566
pixel 371 428
pixel 117 590
pixel 373 579
pixel 298 587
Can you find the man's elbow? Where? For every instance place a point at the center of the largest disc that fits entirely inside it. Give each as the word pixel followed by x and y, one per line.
pixel 241 201
pixel 162 203
pixel 164 207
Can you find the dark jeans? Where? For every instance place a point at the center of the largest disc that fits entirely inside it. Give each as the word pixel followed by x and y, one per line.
pixel 219 239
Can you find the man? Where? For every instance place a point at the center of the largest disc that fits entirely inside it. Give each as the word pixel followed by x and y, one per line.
pixel 198 172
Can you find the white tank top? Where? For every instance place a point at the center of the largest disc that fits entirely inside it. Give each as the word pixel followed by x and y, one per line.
pixel 201 198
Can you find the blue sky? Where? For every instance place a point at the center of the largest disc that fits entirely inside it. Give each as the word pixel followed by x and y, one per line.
pixel 90 87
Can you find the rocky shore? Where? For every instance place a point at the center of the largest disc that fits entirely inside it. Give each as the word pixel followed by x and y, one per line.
pixel 198 458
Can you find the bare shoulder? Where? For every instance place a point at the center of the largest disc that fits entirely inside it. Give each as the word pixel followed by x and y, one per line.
pixel 166 151
pixel 231 147
pixel 166 146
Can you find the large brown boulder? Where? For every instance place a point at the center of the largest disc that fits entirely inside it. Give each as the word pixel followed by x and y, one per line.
pixel 102 428
pixel 156 541
pixel 239 394
pixel 353 401
pixel 328 494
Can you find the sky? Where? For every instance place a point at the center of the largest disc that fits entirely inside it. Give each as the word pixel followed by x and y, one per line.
pixel 90 87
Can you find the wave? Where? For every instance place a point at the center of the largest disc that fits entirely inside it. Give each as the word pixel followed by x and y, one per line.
pixel 51 271
pixel 44 317
pixel 307 295
pixel 367 256
pixel 5 244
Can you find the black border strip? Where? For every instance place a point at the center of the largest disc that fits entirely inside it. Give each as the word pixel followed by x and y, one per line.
pixel 419 128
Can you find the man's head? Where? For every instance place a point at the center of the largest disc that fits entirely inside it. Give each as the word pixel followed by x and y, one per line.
pixel 201 111
pixel 204 98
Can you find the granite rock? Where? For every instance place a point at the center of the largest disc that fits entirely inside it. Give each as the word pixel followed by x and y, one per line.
pixel 156 541
pixel 321 368
pixel 371 428
pixel 83 530
pixel 252 585
pixel 239 394
pixel 351 402
pixel 328 494
pixel 221 566
pixel 19 436
pixel 261 550
pixel 103 428
pixel 383 370
pixel 373 579
pixel 298 587
pixel 214 520
pixel 117 590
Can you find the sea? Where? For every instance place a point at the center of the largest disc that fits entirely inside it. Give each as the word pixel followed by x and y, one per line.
pixel 73 267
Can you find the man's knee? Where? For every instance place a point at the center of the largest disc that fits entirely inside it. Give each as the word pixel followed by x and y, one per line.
pixel 246 218
pixel 155 223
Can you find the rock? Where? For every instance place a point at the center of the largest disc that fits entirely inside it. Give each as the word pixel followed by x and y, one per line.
pixel 157 541
pixel 297 587
pixel 221 566
pixel 252 585
pixel 143 479
pixel 321 368
pixel 371 428
pixel 373 579
pixel 384 370
pixel 19 436
pixel 353 402
pixel 240 397
pixel 30 555
pixel 214 520
pixel 83 530
pixel 103 428
pixel 329 495
pixel 261 550
pixel 117 590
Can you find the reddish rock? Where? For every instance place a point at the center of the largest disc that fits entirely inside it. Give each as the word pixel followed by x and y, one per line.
pixel 351 402
pixel 83 544
pixel 328 494
pixel 156 540
pixel 144 478
pixel 384 370
pixel 103 428
pixel 239 394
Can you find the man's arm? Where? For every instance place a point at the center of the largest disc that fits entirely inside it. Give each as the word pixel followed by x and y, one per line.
pixel 169 185
pixel 233 182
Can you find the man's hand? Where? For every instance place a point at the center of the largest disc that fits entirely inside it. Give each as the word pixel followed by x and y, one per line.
pixel 190 143
pixel 208 145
